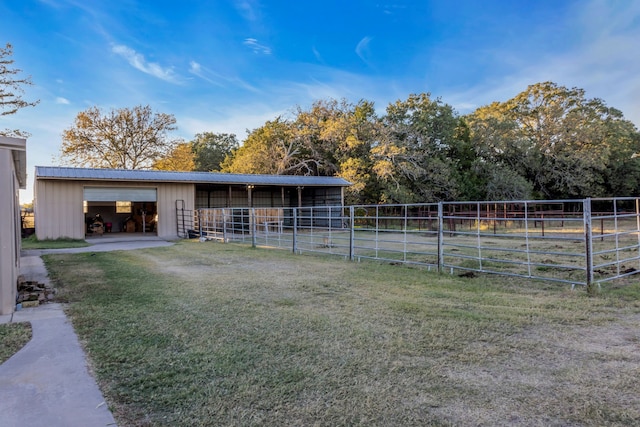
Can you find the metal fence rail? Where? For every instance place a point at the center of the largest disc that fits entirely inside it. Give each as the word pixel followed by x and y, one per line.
pixel 561 241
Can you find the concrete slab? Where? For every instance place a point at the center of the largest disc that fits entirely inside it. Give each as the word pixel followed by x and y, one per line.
pixel 47 383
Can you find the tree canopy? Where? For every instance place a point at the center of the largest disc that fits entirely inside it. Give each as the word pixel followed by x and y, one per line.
pixel 12 89
pixel 548 142
pixel 180 159
pixel 210 149
pixel 331 138
pixel 562 143
pixel 122 138
pixel 413 156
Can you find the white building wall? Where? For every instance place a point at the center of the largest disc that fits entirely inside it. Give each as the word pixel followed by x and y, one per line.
pixel 10 233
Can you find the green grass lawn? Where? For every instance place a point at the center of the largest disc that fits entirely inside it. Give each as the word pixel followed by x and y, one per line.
pixel 32 242
pixel 13 336
pixel 222 334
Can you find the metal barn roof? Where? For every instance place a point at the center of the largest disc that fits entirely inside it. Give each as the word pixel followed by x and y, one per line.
pixel 89 174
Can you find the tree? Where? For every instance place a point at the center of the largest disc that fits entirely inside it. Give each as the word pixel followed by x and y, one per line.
pixel 210 149
pixel 561 142
pixel 180 158
pixel 331 138
pixel 336 138
pixel 123 138
pixel 412 158
pixel 268 149
pixel 11 90
pixel 622 177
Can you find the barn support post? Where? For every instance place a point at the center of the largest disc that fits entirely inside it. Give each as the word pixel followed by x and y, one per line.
pixel 440 238
pixel 588 237
pixel 294 242
pixel 253 227
pixel 351 232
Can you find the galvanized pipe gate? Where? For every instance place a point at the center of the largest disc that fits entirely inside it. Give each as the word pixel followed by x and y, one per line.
pixel 529 239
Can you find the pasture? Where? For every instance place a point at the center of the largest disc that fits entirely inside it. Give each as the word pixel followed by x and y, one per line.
pixel 224 334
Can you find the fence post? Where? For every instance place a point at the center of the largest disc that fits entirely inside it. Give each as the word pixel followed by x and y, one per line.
pixel 199 216
pixel 224 226
pixel 404 232
pixel 294 242
pixel 588 236
pixel 638 223
pixel 351 232
pixel 440 238
pixel 252 218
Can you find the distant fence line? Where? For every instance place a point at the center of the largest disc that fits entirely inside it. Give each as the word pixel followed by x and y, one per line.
pixel 581 242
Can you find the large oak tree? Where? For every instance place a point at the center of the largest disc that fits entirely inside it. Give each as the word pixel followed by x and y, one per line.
pixel 413 158
pixel 563 143
pixel 123 139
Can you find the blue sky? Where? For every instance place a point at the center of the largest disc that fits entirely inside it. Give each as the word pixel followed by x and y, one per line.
pixel 228 66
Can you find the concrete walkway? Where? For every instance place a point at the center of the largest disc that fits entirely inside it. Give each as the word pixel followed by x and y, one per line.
pixel 47 383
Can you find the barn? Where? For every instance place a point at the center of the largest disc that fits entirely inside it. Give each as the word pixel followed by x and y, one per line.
pixel 68 200
pixel 13 176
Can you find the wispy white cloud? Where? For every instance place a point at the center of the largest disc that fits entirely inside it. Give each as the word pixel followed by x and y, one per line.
pixel 63 101
pixel 138 61
pixel 316 53
pixel 600 63
pixel 362 49
pixel 248 9
pixel 257 47
pixel 196 69
pixel 216 79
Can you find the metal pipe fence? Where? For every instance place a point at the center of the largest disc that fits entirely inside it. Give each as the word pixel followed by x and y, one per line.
pixel 566 241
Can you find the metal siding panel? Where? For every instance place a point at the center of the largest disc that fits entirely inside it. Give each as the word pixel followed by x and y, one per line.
pixel 74 210
pixel 167 196
pixel 219 198
pixel 202 199
pixel 239 198
pixel 58 210
pixel 43 222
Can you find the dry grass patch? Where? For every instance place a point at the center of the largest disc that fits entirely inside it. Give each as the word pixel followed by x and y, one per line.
pixel 214 334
